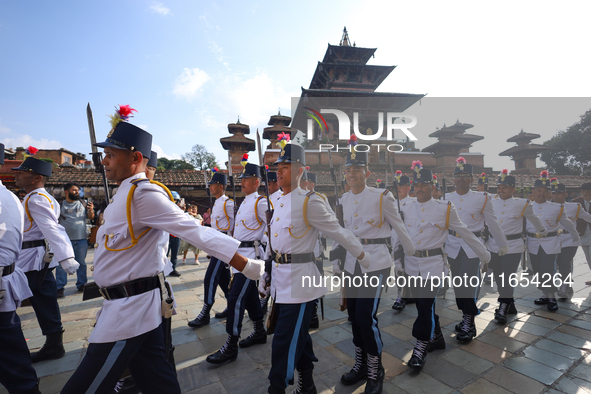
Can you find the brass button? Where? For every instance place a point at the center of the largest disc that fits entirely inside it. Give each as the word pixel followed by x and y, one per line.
pixel 275 234
pixel 460 209
pixel 422 209
pixel 103 221
pixel 236 224
pixel 355 227
pixel 276 250
pixel 277 219
pixel 96 245
pixel 355 202
pixel 111 235
pixel 355 215
pixel 502 213
pixel 238 212
pixel 409 225
pixel 111 200
pixel 501 221
pixel 371 221
pixel 420 231
pixel 281 205
pixel 276 265
pixel 504 205
pixel 461 199
pixel 422 221
pixel 419 242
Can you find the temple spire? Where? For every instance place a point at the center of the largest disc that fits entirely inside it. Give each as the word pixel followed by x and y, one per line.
pixel 345 39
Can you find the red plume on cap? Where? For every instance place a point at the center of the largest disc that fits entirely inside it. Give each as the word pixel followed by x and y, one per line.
pixel 483 176
pixel 215 169
pixel 416 165
pixel 125 111
pixel 460 161
pixel 31 150
pixel 307 168
pixel 544 174
pixel 398 172
pixel 435 177
pixel 554 181
pixel 266 167
pixel 244 160
pixel 352 140
pixel 504 174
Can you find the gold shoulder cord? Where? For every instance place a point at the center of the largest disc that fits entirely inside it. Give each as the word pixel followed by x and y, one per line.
pixel 27 209
pixel 578 210
pixel 482 210
pixel 381 216
pixel 135 240
pixel 305 217
pixel 523 211
pixel 558 218
pixel 256 215
pixel 227 218
pixel 446 218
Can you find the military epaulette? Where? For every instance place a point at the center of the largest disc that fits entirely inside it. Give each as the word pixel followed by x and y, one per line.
pixel 386 192
pixel 27 208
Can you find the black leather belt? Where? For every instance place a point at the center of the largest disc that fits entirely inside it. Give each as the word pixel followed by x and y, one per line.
pixel 477 233
pixel 248 244
pixel 33 244
pixel 428 253
pixel 130 289
pixel 9 269
pixel 562 231
pixel 375 241
pixel 538 235
pixel 511 237
pixel 297 258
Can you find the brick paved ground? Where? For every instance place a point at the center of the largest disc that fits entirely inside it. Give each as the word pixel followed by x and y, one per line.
pixel 536 352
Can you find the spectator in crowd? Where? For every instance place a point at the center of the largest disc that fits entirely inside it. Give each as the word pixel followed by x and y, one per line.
pixel 186 246
pixel 207 218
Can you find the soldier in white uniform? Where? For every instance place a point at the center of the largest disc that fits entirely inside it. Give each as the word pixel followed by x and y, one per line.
pixel 275 193
pixel 475 210
pixel 370 214
pixel 128 270
pixel 403 183
pixel 17 374
pixel 544 248
pixel 512 214
pixel 583 227
pixel 296 282
pixel 428 222
pixel 222 219
pixel 249 229
pixel 41 229
pixel 569 248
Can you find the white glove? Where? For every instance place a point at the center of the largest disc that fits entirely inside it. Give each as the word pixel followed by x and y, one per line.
pixel 544 233
pixel 254 269
pixel 486 258
pixel 262 283
pixel 366 261
pixel 503 251
pixel 336 270
pixel 399 272
pixel 70 265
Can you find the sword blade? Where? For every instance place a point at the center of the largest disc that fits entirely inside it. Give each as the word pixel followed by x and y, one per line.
pixel 260 148
pixel 91 129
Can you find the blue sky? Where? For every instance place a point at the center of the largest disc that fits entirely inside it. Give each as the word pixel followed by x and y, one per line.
pixel 191 67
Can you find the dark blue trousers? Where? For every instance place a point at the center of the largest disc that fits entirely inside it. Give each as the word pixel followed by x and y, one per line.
pixel 506 266
pixel 44 301
pixel 16 371
pixel 104 364
pixel 466 295
pixel 173 249
pixel 565 262
pixel 425 295
pixel 544 265
pixel 362 306
pixel 292 344
pixel 243 295
pixel 216 274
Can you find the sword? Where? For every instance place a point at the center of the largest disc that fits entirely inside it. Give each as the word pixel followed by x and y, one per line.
pixel 97 157
pixel 269 211
pixel 231 175
pixel 208 191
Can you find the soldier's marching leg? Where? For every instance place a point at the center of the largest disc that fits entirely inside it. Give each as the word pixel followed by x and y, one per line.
pixel 544 265
pixel 564 262
pixel 315 322
pixel 503 268
pixel 253 306
pixel 426 328
pixel 466 294
pixel 292 348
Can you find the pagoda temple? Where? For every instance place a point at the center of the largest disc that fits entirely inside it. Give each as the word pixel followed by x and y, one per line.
pixel 237 144
pixel 279 124
pixel 452 141
pixel 525 153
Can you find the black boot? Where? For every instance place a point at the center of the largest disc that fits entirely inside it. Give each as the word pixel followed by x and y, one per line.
pixel 315 323
pixel 512 310
pixel 275 390
pixel 202 319
pixel 52 349
pixel 552 304
pixel 501 313
pixel 126 386
pixel 305 382
pixel 375 375
pixel 419 355
pixel 222 315
pixel 467 329
pixel 437 342
pixel 541 301
pixel 227 353
pixel 359 370
pixel 258 336
pixel 399 304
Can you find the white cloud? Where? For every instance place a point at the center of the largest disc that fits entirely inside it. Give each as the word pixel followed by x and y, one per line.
pixel 189 83
pixel 159 8
pixel 160 152
pixel 27 140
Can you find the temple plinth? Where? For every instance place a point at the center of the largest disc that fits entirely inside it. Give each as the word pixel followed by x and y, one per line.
pixel 525 153
pixel 237 144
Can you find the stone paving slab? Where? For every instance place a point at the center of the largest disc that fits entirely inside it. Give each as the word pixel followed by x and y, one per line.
pixel 537 351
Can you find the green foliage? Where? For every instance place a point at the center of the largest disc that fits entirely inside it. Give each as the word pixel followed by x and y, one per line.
pixel 165 164
pixel 571 149
pixel 200 158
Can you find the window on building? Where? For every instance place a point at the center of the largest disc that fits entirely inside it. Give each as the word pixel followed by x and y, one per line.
pixel 67 159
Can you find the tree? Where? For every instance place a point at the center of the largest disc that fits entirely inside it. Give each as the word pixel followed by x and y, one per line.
pixel 571 153
pixel 200 157
pixel 165 164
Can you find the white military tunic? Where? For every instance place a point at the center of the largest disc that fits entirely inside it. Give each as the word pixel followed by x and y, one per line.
pixel 11 234
pixel 222 214
pixel 395 242
pixel 552 218
pixel 291 235
pixel 250 224
pixel 510 213
pixel 41 221
pixel 151 208
pixel 475 210
pixel 367 218
pixel 574 211
pixel 426 225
